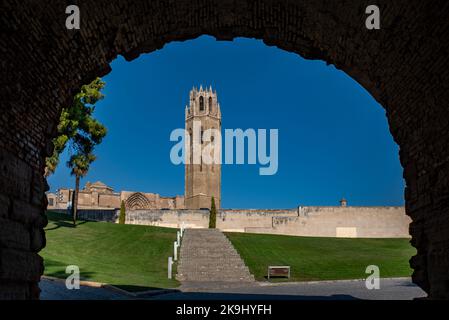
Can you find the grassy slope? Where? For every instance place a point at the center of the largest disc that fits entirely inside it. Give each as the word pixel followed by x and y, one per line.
pixel 129 256
pixel 323 258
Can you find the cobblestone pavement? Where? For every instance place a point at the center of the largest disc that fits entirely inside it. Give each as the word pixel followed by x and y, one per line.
pixel 398 289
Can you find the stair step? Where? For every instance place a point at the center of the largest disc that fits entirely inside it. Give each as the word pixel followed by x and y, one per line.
pixel 206 255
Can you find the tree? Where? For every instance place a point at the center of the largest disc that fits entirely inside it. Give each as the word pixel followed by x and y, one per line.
pixel 80 164
pixel 77 119
pixel 213 215
pixel 122 217
pixel 81 132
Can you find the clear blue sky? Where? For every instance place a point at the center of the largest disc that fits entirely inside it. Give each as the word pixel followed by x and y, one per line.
pixel 334 140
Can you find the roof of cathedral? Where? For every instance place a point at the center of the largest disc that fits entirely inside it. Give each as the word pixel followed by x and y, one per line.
pixel 97 185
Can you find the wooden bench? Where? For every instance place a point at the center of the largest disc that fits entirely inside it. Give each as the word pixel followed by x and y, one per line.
pixel 278 271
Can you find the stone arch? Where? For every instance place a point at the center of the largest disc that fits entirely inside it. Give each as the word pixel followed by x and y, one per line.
pixel 201 102
pixel 137 201
pixel 400 65
pixel 211 106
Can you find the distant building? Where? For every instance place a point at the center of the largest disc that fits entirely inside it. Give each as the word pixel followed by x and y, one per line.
pixel 100 196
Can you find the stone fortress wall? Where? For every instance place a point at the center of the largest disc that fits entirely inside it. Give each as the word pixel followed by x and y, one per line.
pixel 342 221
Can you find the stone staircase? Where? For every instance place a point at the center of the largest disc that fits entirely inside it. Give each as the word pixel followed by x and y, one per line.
pixel 206 255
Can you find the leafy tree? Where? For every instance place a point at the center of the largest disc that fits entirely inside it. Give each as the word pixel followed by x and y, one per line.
pixel 122 217
pixel 78 130
pixel 76 120
pixel 213 215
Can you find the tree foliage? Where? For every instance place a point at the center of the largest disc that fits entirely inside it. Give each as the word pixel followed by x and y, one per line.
pixel 81 132
pixel 78 130
pixel 122 217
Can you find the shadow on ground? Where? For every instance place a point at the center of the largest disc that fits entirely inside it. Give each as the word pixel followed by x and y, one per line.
pixel 140 289
pixel 64 224
pixel 60 270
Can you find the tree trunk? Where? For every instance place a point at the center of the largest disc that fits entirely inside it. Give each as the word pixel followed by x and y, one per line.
pixel 75 199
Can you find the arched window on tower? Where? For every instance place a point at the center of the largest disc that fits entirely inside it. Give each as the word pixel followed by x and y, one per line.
pixel 210 104
pixel 201 103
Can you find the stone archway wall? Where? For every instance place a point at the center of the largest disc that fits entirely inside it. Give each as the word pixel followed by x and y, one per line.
pixel 404 66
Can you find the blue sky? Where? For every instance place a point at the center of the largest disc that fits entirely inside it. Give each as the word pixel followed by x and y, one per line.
pixel 334 140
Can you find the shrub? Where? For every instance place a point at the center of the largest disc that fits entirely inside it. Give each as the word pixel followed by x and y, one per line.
pixel 122 217
pixel 213 215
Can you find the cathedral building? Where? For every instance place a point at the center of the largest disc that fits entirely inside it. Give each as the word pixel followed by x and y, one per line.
pixel 202 179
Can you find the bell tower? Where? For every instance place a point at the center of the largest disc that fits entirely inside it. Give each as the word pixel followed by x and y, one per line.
pixel 203 125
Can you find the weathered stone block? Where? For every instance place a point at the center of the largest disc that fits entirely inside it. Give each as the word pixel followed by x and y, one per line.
pixel 14 235
pixel 14 290
pixel 38 240
pixel 15 176
pixel 28 214
pixel 18 265
pixel 4 206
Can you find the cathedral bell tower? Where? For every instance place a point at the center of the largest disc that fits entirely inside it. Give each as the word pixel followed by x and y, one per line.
pixel 203 173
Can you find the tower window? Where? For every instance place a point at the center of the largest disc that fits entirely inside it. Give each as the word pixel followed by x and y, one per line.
pixel 191 146
pixel 201 103
pixel 210 104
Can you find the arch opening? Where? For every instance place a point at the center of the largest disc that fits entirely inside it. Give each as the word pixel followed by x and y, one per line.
pixel 230 111
pixel 417 115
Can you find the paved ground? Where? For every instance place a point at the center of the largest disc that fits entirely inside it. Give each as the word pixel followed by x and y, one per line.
pixel 398 289
pixel 56 290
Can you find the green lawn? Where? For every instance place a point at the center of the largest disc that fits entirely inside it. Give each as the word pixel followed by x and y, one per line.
pixel 313 258
pixel 129 256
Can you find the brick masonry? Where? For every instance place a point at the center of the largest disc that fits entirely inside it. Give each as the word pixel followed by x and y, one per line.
pixel 404 67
